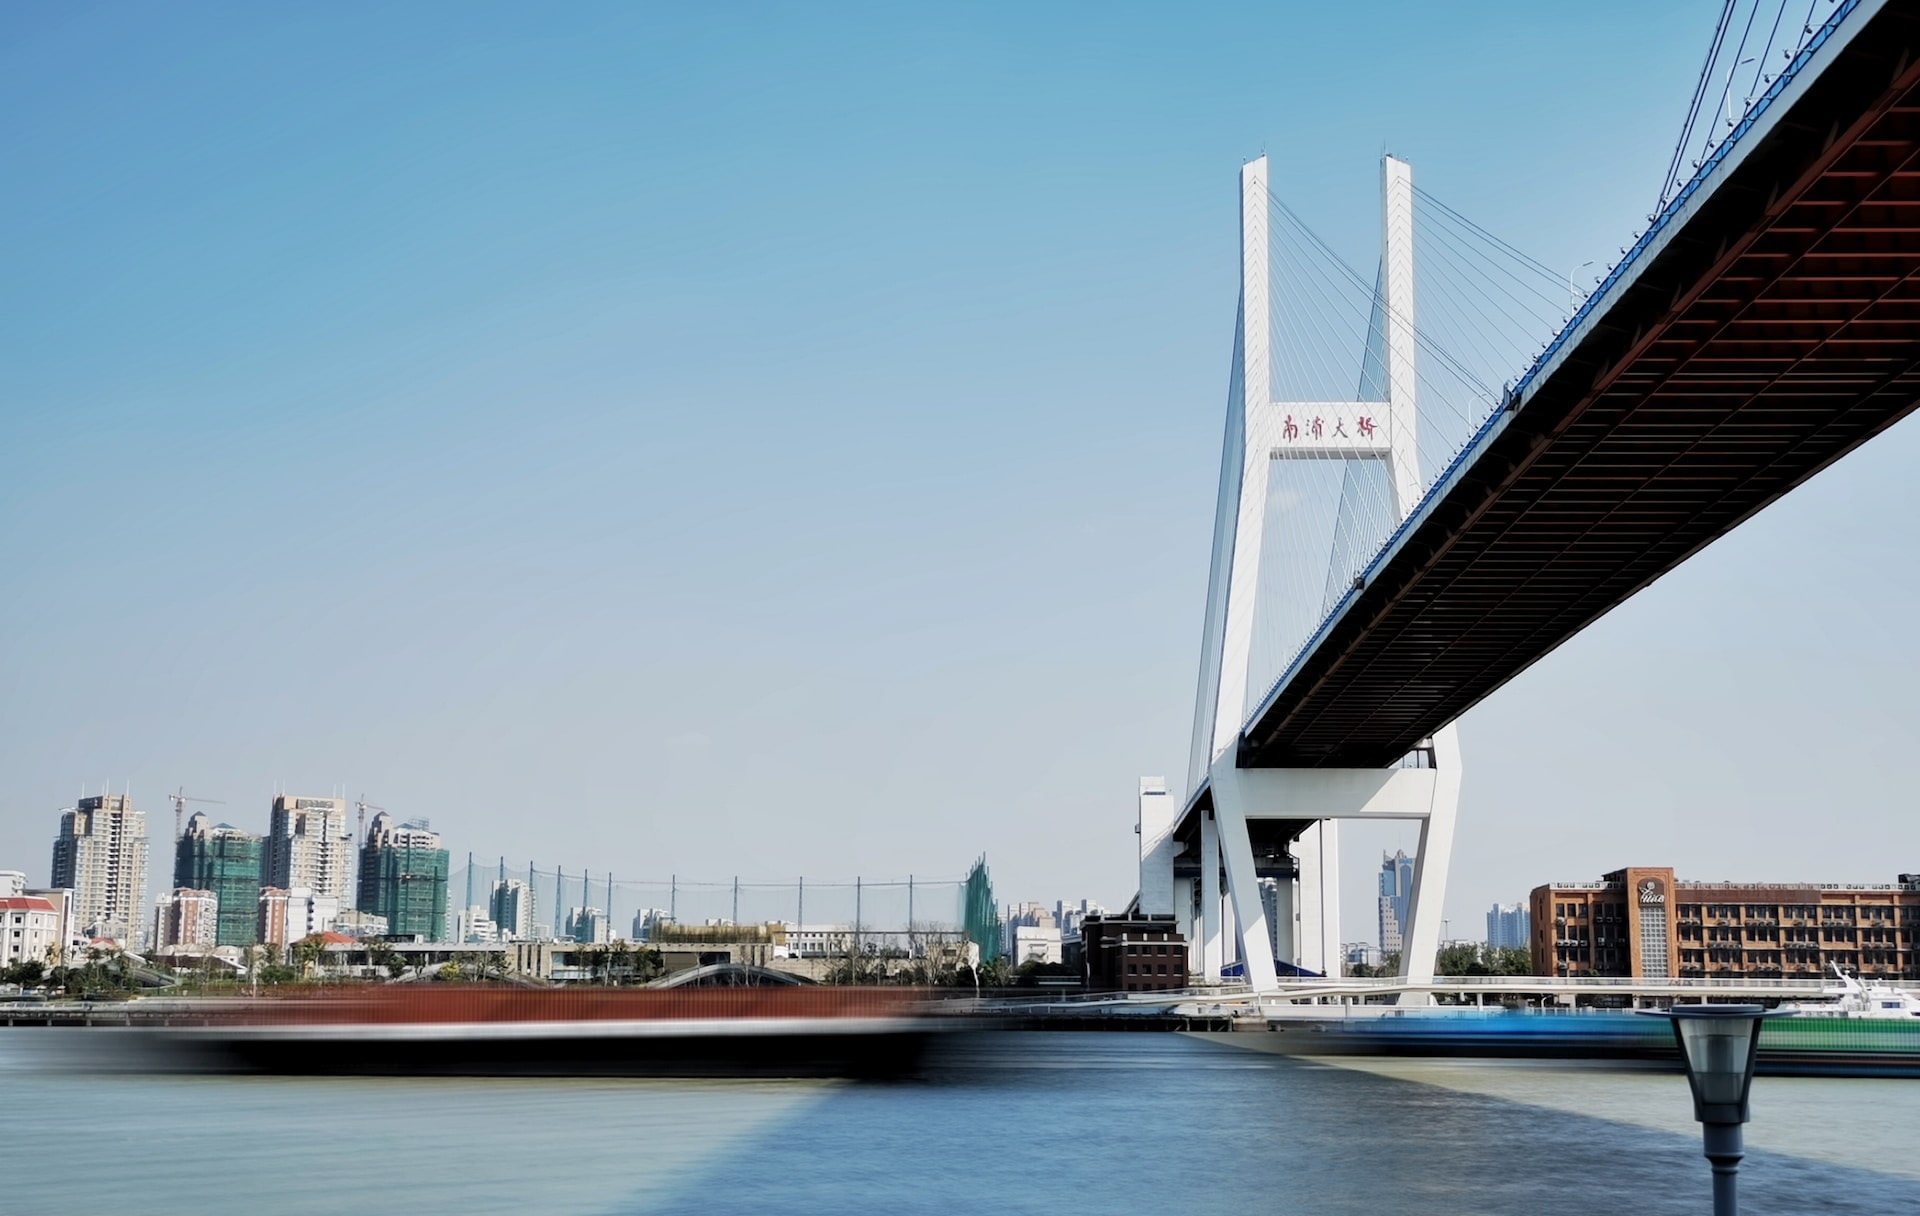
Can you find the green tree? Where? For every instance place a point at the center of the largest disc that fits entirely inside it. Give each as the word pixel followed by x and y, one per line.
pixel 647 965
pixel 305 953
pixel 1459 958
pixel 384 956
pixel 1511 960
pixel 28 973
pixel 996 973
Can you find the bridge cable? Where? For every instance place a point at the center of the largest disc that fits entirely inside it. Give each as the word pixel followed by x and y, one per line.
pixel 1693 107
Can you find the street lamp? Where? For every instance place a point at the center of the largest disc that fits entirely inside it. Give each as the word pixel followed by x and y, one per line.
pixel 1719 1044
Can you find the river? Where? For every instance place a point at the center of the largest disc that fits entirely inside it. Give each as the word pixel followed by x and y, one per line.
pixel 1027 1123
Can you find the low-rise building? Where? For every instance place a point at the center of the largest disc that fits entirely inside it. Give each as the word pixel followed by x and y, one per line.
pixel 798 941
pixel 1643 923
pixel 31 930
pixel 1134 953
pixel 288 915
pixel 473 925
pixel 360 925
pixel 186 917
pixel 1035 944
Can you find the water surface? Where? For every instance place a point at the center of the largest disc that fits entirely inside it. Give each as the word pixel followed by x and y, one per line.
pixel 1028 1123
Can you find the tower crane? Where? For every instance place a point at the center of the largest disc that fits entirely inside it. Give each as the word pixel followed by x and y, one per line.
pixel 180 799
pixel 364 806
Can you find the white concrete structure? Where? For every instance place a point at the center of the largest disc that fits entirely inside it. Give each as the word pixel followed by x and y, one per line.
pixel 1261 431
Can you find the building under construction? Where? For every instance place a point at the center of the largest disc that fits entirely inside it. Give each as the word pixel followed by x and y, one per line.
pixel 403 877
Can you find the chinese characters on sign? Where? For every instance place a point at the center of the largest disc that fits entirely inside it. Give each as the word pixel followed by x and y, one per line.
pixel 1312 429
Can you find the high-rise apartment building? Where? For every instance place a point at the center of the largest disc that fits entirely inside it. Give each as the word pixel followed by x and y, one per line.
pixel 308 846
pixel 223 859
pixel 1642 922
pixel 101 855
pixel 1508 926
pixel 186 917
pixel 1396 892
pixel 513 911
pixel 588 926
pixel 646 920
pixel 403 877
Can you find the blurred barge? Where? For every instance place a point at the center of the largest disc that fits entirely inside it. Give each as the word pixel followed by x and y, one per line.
pixel 482 1030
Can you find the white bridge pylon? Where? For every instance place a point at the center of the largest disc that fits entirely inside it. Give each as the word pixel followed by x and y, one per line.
pixel 1261 431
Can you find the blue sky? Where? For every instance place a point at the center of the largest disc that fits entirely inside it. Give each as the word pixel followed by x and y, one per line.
pixel 783 440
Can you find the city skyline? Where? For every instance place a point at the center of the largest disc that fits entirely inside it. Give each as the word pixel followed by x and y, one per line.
pixel 451 505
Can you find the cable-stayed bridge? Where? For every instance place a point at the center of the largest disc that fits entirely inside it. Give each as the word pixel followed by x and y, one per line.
pixel 1471 516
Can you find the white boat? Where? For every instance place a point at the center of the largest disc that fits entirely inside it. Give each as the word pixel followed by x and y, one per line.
pixel 1852 998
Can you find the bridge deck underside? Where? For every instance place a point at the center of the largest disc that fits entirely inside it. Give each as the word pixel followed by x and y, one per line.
pixel 1778 329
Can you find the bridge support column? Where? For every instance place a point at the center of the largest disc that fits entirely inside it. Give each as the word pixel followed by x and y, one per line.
pixel 1210 941
pixel 1317 855
pixel 1186 900
pixel 1157 813
pixel 1430 868
pixel 1230 809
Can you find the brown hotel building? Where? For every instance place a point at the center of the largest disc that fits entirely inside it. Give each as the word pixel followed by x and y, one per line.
pixel 1641 922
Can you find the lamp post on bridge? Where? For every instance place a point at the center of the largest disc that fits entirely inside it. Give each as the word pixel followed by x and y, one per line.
pixel 1719 1044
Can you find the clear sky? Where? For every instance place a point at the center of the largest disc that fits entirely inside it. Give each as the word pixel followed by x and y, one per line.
pixel 783 439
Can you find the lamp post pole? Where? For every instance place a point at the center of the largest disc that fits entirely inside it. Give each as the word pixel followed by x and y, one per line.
pixel 1719 1044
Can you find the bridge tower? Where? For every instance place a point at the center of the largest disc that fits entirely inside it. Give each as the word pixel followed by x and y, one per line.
pixel 1379 425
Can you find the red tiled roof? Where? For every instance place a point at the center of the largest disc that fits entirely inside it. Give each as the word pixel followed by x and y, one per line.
pixel 25 903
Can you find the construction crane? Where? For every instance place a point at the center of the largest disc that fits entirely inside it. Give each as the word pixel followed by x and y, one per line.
pixel 365 806
pixel 180 799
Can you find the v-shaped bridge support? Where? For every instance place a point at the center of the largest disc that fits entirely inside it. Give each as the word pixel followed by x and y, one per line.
pixel 1302 898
